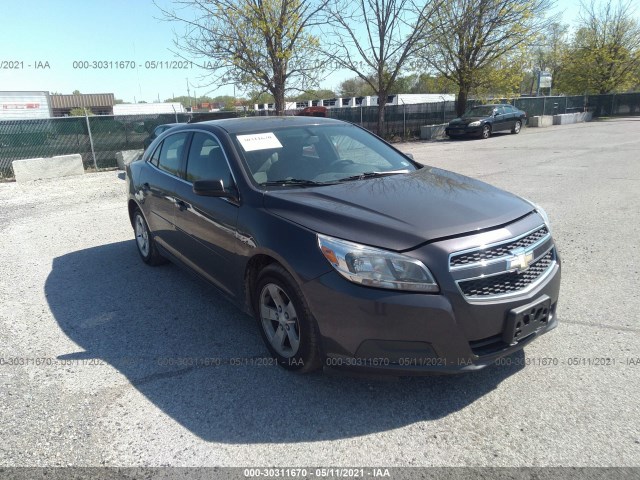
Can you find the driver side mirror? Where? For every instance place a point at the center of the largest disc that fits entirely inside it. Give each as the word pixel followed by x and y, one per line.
pixel 212 188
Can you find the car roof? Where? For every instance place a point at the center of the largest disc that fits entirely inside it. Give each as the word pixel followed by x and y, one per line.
pixel 251 124
pixel 494 105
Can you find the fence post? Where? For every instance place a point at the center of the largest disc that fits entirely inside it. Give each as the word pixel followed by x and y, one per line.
pixel 544 104
pixel 93 152
pixel 404 119
pixel 613 98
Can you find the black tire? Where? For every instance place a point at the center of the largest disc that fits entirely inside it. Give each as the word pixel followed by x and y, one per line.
pixel 149 254
pixel 517 127
pixel 306 357
pixel 486 131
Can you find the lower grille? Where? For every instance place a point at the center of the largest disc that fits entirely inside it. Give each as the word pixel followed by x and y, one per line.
pixel 487 346
pixel 509 282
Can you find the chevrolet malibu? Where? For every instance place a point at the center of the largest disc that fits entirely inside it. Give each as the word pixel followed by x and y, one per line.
pixel 346 251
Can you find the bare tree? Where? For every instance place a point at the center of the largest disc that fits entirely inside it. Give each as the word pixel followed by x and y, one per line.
pixel 605 53
pixel 468 37
pixel 264 45
pixel 378 50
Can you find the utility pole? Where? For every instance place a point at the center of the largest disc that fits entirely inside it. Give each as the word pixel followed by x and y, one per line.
pixel 189 95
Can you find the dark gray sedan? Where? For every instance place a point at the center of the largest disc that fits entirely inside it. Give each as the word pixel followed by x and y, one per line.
pixel 483 120
pixel 346 251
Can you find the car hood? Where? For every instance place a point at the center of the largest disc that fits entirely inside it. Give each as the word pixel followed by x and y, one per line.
pixel 465 120
pixel 399 212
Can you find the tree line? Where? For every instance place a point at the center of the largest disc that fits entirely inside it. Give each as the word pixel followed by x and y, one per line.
pixel 278 50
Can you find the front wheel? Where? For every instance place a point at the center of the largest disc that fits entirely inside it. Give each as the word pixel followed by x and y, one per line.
pixel 516 127
pixel 285 321
pixel 486 132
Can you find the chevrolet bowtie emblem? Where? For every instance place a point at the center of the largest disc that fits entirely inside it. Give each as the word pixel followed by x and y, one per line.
pixel 521 260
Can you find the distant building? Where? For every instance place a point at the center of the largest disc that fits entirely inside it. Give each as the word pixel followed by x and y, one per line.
pixel 147 108
pixel 98 103
pixel 24 105
pixel 369 101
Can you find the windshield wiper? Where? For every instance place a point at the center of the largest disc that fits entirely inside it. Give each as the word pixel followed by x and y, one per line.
pixel 292 181
pixel 364 175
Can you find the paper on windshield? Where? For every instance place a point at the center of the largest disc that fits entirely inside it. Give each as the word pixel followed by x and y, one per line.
pixel 259 141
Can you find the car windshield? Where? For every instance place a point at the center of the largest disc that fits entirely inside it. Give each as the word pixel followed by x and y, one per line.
pixel 316 155
pixel 483 111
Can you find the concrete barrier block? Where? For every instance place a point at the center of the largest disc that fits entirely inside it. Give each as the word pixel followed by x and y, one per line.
pixel 30 169
pixel 585 116
pixel 429 132
pixel 125 157
pixel 540 121
pixel 566 118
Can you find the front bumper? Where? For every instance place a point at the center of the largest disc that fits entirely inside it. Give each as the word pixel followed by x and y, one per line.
pixel 384 331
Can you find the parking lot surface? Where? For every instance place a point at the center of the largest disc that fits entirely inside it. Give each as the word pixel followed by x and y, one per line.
pixel 105 361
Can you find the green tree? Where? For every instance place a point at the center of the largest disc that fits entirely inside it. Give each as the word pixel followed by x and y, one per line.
pixel 604 56
pixel 355 87
pixel 259 97
pixel 313 95
pixel 80 112
pixel 468 38
pixel 254 44
pixel 378 51
pixel 429 83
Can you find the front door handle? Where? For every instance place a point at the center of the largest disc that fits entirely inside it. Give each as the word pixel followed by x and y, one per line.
pixel 181 205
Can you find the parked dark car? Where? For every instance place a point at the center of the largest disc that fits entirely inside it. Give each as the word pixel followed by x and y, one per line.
pixel 346 251
pixel 483 120
pixel 156 133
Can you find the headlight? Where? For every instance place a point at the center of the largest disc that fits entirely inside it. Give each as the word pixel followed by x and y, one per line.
pixel 542 213
pixel 544 216
pixel 374 267
pixel 474 124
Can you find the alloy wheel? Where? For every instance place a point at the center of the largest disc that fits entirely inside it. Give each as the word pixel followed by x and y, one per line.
pixel 142 236
pixel 279 320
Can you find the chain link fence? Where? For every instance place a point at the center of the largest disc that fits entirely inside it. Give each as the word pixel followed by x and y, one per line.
pixel 70 135
pixel 60 136
pixel 400 120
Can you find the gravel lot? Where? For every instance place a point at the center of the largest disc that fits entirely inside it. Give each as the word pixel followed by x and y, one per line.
pixel 102 336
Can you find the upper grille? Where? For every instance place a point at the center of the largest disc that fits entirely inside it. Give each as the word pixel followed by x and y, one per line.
pixel 507 282
pixel 502 250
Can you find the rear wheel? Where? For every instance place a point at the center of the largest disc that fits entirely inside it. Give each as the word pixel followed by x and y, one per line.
pixel 144 241
pixel 516 127
pixel 285 321
pixel 486 132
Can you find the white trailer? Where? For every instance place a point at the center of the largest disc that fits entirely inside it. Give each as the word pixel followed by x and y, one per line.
pixel 24 105
pixel 147 108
